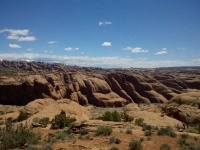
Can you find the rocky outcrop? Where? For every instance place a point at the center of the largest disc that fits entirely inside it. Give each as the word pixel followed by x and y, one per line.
pixel 20 85
pixel 184 113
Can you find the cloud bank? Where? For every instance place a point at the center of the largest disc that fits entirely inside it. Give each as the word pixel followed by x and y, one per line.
pixel 104 62
pixel 71 49
pixel 135 50
pixel 162 51
pixel 18 35
pixel 14 46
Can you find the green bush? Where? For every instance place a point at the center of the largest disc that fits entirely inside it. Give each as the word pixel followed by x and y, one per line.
pixel 84 131
pixel 60 121
pixel 111 116
pixel 184 136
pixel 148 133
pixel 128 131
pixel 16 138
pixel 44 121
pixel 114 148
pixel 181 142
pixel 126 117
pixel 167 131
pixel 103 130
pixel 146 127
pixel 114 140
pixel 61 135
pixel 139 121
pixel 22 116
pixel 135 145
pixel 165 147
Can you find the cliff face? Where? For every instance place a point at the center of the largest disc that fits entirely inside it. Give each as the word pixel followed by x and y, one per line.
pixel 22 82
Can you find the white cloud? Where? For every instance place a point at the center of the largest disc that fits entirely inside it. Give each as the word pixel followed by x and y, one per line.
pixel 71 49
pixel 135 50
pixel 180 48
pixel 162 51
pixel 14 46
pixel 27 38
pixel 104 62
pixel 18 35
pixel 29 49
pixel 15 32
pixel 104 23
pixel 52 42
pixel 106 44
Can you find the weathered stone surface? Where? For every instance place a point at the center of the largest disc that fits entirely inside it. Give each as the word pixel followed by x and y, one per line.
pixel 23 82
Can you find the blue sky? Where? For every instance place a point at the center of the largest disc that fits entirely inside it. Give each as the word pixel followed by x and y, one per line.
pixel 102 33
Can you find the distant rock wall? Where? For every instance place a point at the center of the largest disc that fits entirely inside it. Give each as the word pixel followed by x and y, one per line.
pixel 113 88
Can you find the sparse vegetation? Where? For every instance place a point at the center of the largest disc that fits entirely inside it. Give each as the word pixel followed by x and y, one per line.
pixel 165 147
pixel 111 116
pixel 114 140
pixel 128 131
pixel 139 121
pixel 60 121
pixel 148 133
pixel 135 145
pixel 103 130
pixel 17 138
pixel 126 117
pixel 184 136
pixel 167 131
pixel 22 116
pixel 116 117
pixel 114 148
pixel 84 131
pixel 43 121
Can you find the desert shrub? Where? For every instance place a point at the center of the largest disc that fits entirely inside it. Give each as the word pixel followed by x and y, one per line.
pixel 22 116
pixel 194 147
pixel 135 145
pixel 32 148
pixel 167 131
pixel 107 116
pixel 184 136
pixel 148 138
pixel 116 116
pixel 165 147
pixel 141 139
pixel 84 131
pixel 146 127
pixel 114 148
pixel 111 116
pixel 181 142
pixel 61 135
pixel 117 141
pixel 46 147
pixel 148 133
pixel 16 138
pixel 126 117
pixel 114 140
pixel 193 130
pixel 139 121
pixel 111 140
pixel 103 130
pixel 128 131
pixel 44 121
pixel 60 121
